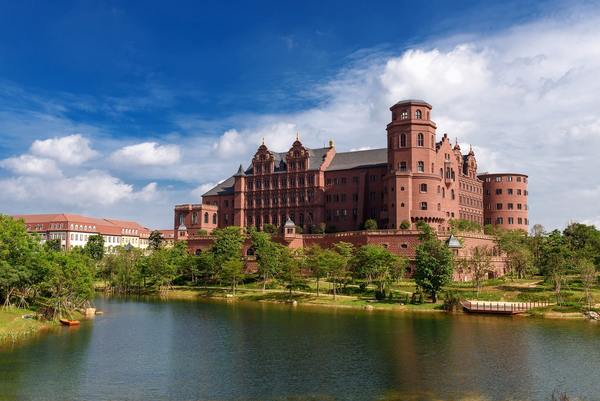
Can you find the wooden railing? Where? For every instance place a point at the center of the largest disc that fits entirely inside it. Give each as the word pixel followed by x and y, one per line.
pixel 504 307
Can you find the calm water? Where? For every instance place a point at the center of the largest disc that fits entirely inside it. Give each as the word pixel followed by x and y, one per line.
pixel 177 350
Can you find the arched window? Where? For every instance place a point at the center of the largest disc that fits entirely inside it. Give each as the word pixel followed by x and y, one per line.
pixel 420 140
pixel 403 140
pixel 214 218
pixel 418 115
pixel 423 188
pixel 421 167
pixel 206 217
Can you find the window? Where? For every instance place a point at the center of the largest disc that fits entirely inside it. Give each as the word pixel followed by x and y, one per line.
pixel 423 188
pixel 499 220
pixel 418 115
pixel 520 220
pixel 206 217
pixel 404 115
pixel 423 205
pixel 511 220
pixel 403 140
pixel 518 192
pixel 498 191
pixel 510 191
pixel 402 166
pixel 498 206
pixel 195 218
pixel 498 179
pixel 510 206
pixel 453 196
pixel 214 218
pixel 420 167
pixel 420 140
pixel 519 206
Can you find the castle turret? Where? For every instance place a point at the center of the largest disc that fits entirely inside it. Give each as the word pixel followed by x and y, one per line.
pixel 239 199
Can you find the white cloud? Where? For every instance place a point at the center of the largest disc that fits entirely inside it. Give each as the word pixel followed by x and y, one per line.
pixel 72 149
pixel 147 154
pixel 229 144
pixel 92 188
pixel 31 165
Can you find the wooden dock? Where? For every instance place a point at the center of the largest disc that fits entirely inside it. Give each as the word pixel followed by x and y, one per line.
pixel 507 308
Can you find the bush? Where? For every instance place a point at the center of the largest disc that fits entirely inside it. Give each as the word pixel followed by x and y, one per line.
pixel 202 232
pixel 405 225
pixel 452 302
pixel 270 228
pixel 370 224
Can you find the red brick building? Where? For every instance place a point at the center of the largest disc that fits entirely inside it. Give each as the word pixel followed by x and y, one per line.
pixel 415 178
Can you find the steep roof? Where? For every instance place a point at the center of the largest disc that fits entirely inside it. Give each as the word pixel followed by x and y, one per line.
pixel 223 188
pixel 360 158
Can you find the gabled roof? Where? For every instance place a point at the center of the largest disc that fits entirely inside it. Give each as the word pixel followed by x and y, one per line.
pixel 357 159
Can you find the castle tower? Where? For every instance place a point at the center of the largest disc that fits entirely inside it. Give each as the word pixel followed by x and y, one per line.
pixel 239 199
pixel 412 164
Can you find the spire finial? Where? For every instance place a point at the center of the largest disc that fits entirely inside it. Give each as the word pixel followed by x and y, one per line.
pixel 297 135
pixel 263 140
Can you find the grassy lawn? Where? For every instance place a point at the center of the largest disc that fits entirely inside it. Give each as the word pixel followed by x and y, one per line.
pixel 503 289
pixel 13 327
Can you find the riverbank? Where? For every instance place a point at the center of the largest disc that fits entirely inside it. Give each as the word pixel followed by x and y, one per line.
pixel 301 298
pixel 13 327
pixel 497 290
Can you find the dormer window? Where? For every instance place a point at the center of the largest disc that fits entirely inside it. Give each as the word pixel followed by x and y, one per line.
pixel 418 115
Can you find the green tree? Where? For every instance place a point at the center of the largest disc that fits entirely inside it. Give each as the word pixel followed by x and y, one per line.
pixel 433 266
pixel 370 224
pixel 20 259
pixel 404 225
pixel 68 283
pixel 291 262
pixel 162 269
pixel 515 243
pixel 316 260
pixel 228 244
pixel 555 261
pixel 267 255
pixel 378 265
pixel 53 245
pixel 94 247
pixel 479 264
pixel 232 271
pixel 587 274
pixel 155 240
pixel 462 225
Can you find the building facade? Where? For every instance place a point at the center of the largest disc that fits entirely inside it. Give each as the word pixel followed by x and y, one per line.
pixel 415 178
pixel 74 230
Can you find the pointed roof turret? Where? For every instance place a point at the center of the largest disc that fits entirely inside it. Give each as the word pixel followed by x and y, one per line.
pixel 456 145
pixel 289 223
pixel 453 242
pixel 240 172
pixel 471 153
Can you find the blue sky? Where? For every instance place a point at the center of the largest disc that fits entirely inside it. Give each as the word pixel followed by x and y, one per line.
pixel 124 109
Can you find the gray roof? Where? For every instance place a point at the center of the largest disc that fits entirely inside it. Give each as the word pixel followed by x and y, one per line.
pixel 360 158
pixel 408 101
pixel 341 161
pixel 224 188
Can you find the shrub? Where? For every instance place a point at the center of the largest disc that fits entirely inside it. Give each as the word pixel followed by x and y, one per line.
pixel 370 224
pixel 405 224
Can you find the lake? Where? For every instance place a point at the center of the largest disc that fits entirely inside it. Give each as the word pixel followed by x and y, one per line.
pixel 207 350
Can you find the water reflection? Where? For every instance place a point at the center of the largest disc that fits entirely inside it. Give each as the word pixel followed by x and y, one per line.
pixel 179 350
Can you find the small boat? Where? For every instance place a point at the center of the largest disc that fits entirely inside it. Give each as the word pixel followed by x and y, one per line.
pixel 68 322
